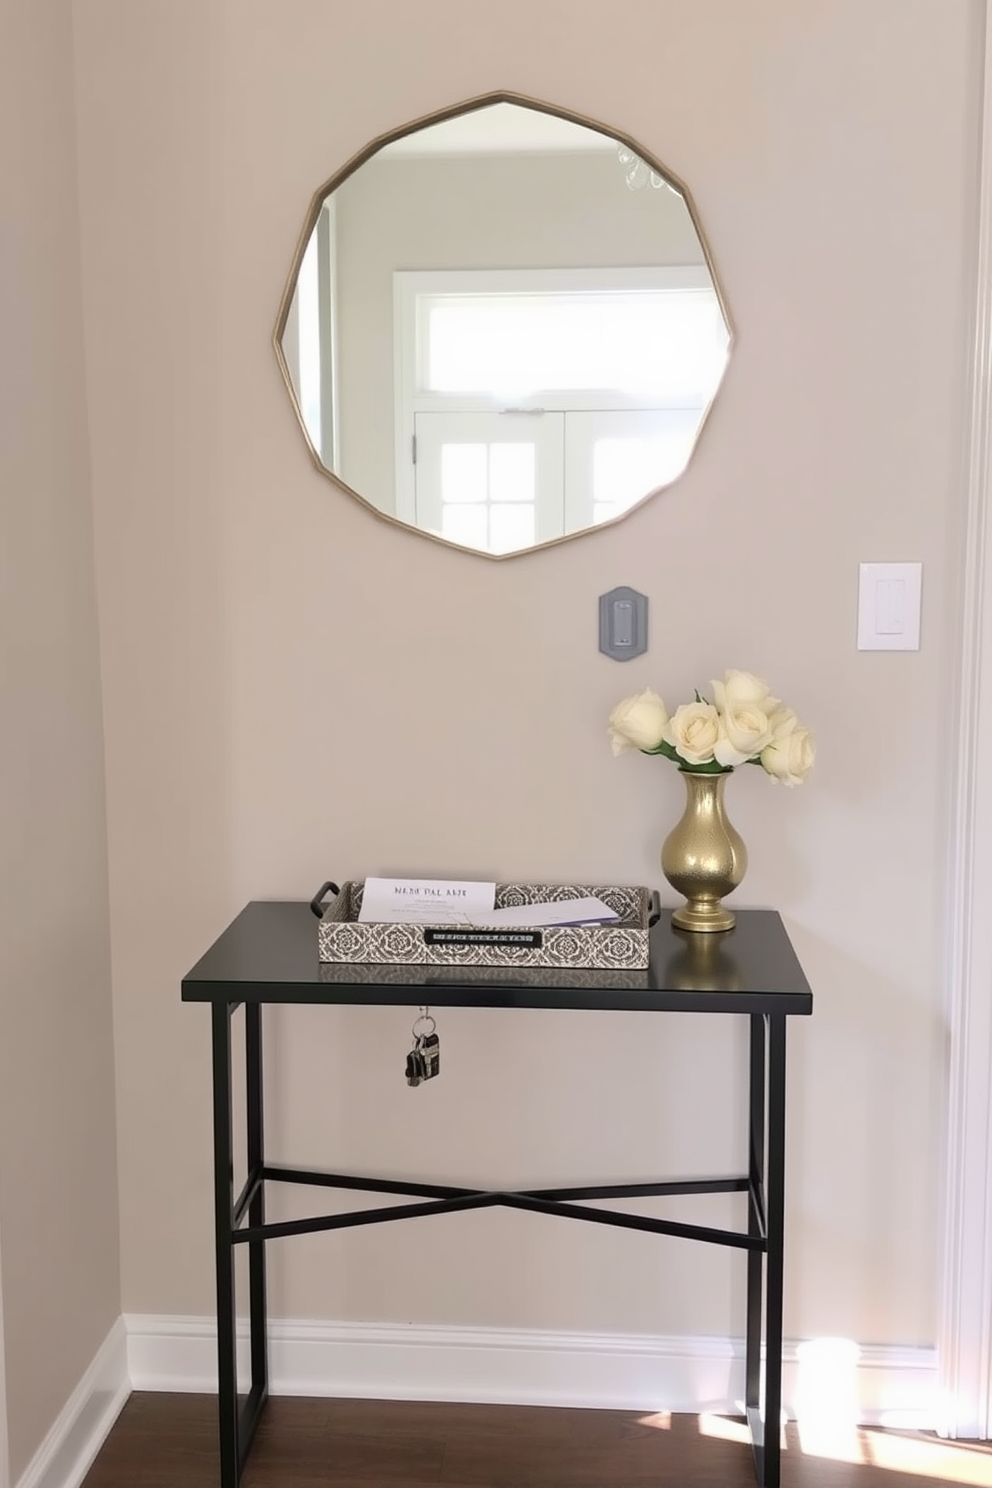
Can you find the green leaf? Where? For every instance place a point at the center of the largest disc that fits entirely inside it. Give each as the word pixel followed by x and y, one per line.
pixel 668 751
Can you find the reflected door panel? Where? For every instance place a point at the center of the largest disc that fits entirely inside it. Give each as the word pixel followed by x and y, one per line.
pixel 614 459
pixel 490 481
pixel 503 482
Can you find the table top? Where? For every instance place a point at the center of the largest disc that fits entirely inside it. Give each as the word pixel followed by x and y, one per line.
pixel 269 954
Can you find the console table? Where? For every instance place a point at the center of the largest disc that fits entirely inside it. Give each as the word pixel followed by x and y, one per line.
pixel 269 955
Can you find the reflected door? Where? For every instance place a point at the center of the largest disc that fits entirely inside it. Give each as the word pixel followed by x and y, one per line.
pixel 501 482
pixel 491 481
pixel 614 458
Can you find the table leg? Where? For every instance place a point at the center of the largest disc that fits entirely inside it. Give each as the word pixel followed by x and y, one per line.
pixel 766 1214
pixel 227 1385
pixel 755 1219
pixel 775 1222
pixel 256 1209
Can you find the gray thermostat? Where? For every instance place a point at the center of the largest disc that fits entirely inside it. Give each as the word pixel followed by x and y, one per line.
pixel 623 623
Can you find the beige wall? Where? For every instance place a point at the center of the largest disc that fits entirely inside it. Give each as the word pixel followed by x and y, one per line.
pixel 269 721
pixel 58 1190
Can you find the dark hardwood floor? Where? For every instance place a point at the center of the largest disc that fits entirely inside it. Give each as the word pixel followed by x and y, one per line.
pixel 170 1441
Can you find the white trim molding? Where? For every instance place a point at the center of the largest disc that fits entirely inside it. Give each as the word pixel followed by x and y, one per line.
pixel 497 1366
pixel 964 1343
pixel 67 1453
pixel 4 1459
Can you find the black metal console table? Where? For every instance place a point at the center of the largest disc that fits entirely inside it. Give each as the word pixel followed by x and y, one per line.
pixel 269 954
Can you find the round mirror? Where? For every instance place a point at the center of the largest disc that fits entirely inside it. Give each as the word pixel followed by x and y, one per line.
pixel 502 327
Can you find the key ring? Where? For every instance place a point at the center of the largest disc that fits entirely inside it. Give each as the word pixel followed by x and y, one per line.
pixel 425 1017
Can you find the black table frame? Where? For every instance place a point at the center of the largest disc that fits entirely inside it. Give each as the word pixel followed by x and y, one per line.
pixel 240 1219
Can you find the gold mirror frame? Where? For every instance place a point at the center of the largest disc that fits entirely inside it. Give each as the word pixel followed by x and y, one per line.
pixel 439 116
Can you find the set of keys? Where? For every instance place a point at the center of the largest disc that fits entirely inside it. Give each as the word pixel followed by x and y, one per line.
pixel 424 1059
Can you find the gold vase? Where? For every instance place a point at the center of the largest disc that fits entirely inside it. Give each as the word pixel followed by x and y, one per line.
pixel 703 857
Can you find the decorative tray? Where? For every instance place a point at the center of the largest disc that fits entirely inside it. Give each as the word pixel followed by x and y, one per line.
pixel 620 945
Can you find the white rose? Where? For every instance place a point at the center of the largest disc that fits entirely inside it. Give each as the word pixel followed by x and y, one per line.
pixel 742 687
pixel 639 722
pixel 744 733
pixel 693 731
pixel 782 721
pixel 790 757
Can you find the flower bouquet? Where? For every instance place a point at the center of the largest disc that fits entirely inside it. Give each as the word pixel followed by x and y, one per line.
pixel 743 725
pixel 704 857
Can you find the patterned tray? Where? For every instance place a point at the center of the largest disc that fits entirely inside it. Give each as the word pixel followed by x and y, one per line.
pixel 621 946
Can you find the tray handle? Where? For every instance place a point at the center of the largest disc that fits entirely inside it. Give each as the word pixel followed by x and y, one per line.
pixel 654 907
pixel 317 902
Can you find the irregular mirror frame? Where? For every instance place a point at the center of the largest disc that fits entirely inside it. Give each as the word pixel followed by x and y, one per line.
pixel 502 327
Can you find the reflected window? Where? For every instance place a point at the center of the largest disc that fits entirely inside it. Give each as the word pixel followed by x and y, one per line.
pixel 665 344
pixel 309 343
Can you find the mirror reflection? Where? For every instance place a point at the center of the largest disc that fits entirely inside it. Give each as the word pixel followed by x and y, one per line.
pixel 503 328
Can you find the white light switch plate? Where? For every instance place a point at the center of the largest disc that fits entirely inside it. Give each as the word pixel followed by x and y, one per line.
pixel 889 606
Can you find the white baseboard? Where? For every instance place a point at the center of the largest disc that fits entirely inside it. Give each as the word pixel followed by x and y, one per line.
pixel 66 1455
pixel 485 1365
pixel 503 1366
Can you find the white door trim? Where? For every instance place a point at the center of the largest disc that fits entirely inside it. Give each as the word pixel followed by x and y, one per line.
pixel 964 1341
pixel 4 1449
